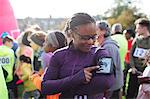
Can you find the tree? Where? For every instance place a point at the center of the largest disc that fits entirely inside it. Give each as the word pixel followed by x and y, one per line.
pixel 124 12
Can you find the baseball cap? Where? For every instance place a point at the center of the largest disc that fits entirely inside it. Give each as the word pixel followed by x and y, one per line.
pixel 4 34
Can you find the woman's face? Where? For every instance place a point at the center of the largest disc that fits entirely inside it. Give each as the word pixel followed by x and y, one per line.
pixel 84 37
pixel 100 33
pixel 10 44
pixel 127 35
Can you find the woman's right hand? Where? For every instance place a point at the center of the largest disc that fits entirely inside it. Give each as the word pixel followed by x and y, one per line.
pixel 134 70
pixel 88 74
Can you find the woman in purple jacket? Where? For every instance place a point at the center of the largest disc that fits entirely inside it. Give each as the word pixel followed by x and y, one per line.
pixel 71 71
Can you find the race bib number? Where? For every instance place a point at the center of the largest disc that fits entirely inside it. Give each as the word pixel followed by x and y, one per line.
pixel 105 65
pixel 139 52
pixel 4 60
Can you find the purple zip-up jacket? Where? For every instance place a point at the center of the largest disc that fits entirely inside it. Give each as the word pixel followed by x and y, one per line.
pixel 65 74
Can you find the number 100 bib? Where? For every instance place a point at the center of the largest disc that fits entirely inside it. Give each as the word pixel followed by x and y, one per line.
pixel 4 60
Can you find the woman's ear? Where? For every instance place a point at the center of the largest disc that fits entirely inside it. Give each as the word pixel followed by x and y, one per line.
pixel 69 34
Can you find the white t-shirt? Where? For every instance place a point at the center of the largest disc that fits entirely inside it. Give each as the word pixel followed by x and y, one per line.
pixel 146 72
pixel 144 89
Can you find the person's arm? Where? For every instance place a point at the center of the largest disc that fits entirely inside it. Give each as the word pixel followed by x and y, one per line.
pixel 37 80
pixel 99 82
pixel 12 58
pixel 114 53
pixel 17 59
pixel 51 84
pixel 32 58
pixel 144 79
pixel 45 60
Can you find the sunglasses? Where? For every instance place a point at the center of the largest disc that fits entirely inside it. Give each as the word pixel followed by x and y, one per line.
pixel 87 37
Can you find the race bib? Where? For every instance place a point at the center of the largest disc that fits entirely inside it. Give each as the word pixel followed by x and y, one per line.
pixel 4 60
pixel 106 65
pixel 139 52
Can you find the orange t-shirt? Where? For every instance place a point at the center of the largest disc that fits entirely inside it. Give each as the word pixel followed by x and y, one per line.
pixel 37 81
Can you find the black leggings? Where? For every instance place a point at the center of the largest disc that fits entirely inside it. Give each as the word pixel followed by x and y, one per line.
pixel 133 87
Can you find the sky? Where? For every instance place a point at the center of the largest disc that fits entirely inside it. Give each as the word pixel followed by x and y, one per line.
pixel 66 8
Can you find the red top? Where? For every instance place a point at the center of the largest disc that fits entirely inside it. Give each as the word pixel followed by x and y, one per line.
pixel 127 56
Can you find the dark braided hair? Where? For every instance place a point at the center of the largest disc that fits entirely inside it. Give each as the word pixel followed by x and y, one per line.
pixel 78 19
pixel 61 39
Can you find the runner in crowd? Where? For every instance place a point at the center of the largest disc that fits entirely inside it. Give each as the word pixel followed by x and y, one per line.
pixel 7 62
pixel 72 70
pixel 53 41
pixel 144 89
pixel 105 41
pixel 140 46
pixel 129 34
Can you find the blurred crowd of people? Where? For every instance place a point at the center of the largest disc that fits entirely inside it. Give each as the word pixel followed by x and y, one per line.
pixel 88 60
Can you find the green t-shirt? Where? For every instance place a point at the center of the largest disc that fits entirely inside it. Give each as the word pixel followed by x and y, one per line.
pixel 7 61
pixel 123 45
